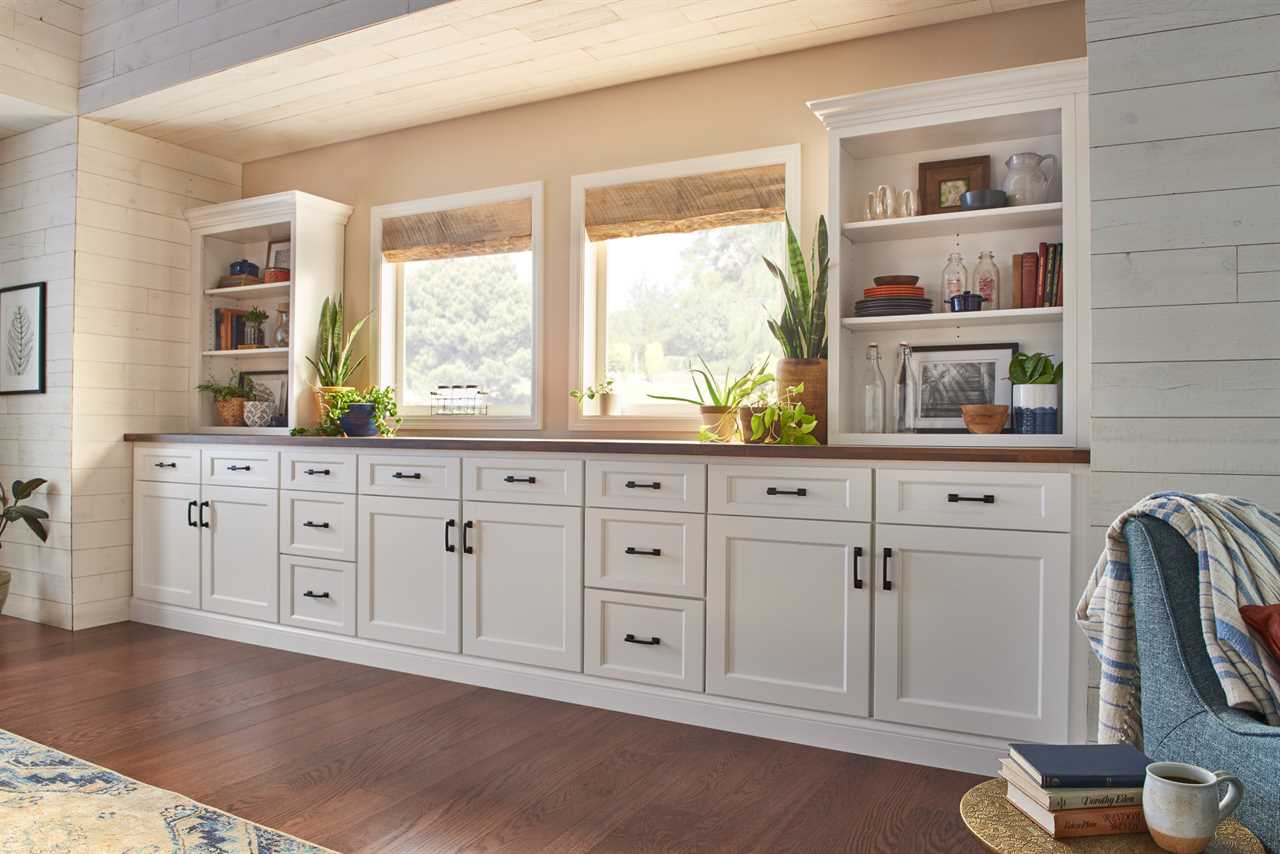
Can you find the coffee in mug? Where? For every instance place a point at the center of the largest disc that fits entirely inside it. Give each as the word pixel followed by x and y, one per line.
pixel 1182 806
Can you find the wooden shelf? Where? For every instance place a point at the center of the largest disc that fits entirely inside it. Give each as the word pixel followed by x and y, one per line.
pixel 961 222
pixel 1002 317
pixel 268 289
pixel 262 351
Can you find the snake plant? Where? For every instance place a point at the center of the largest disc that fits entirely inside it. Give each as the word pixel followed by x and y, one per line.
pixel 333 363
pixel 802 329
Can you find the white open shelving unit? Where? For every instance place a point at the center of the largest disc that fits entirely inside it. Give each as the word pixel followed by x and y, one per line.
pixel 881 137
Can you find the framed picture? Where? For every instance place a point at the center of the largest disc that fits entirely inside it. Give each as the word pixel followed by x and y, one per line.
pixel 279 254
pixel 277 383
pixel 943 182
pixel 952 375
pixel 22 339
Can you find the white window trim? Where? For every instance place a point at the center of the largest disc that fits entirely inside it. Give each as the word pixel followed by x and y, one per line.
pixel 579 268
pixel 385 332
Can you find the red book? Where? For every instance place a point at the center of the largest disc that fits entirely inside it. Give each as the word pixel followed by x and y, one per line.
pixel 1057 290
pixel 1016 269
pixel 1040 271
pixel 1029 261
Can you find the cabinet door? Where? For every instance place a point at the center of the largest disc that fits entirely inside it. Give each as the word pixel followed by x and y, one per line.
pixel 522 584
pixel 239 551
pixel 789 612
pixel 972 630
pixel 166 542
pixel 407 571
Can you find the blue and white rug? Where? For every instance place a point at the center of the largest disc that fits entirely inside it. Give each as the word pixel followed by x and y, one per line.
pixel 52 803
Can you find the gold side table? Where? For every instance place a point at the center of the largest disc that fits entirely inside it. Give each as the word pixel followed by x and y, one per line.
pixel 1001 827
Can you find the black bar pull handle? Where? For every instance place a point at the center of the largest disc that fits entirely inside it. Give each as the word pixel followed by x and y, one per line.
pixel 238 468
pixel 311 594
pixel 773 490
pixel 417 475
pixel 315 524
pixel 466 546
pixel 513 479
pixel 448 525
pixel 954 497
pixel 203 523
pixel 632 550
pixel 857 558
pixel 653 641
pixel 191 505
pixel 635 484
pixel 324 472
pixel 166 465
pixel 884 570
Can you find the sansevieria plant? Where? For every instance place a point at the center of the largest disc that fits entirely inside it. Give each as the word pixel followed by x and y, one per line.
pixel 333 364
pixel 802 329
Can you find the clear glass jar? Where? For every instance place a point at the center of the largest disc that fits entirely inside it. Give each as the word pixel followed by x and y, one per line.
pixel 282 327
pixel 955 279
pixel 873 393
pixel 986 280
pixel 905 391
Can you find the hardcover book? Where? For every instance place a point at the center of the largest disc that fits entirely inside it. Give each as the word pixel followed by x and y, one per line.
pixel 1068 824
pixel 1077 766
pixel 1016 270
pixel 1030 262
pixel 1068 799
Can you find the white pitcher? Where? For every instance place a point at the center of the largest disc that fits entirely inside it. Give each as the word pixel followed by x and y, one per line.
pixel 1027 183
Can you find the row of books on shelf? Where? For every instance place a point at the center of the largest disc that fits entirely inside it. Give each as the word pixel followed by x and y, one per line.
pixel 229 328
pixel 1073 790
pixel 1037 277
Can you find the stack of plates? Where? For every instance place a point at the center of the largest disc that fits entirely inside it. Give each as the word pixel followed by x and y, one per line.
pixel 893 295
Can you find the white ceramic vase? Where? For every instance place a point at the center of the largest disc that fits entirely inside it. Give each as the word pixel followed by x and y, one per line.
pixel 258 413
pixel 1035 408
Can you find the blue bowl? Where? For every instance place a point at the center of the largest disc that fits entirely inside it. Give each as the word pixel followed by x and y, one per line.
pixel 244 267
pixel 358 420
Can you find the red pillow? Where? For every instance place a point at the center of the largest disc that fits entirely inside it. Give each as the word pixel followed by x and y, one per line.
pixel 1265 620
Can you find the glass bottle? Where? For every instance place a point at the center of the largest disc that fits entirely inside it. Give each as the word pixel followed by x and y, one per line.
pixel 282 327
pixel 955 279
pixel 986 280
pixel 905 391
pixel 873 393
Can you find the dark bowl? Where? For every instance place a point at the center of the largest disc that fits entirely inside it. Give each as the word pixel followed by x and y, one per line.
pixel 966 302
pixel 978 200
pixel 896 280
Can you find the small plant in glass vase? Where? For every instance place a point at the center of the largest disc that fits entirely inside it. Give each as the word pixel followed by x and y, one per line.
pixel 255 336
pixel 718 400
pixel 1037 386
pixel 601 394
pixel 228 398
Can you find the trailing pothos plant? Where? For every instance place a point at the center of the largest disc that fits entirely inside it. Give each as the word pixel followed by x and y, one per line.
pixel 591 392
pixel 1034 369
pixel 15 510
pixel 784 421
pixel 386 414
pixel 802 328
pixel 333 363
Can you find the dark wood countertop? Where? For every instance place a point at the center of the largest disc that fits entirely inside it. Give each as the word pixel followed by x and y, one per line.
pixel 642 446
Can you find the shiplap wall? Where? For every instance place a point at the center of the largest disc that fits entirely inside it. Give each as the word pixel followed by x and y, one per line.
pixel 132 47
pixel 39 62
pixel 132 304
pixel 1185 175
pixel 37 214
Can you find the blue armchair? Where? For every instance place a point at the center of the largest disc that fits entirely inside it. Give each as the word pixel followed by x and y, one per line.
pixel 1185 716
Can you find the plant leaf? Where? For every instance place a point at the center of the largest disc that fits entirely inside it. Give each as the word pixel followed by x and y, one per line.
pixel 23 489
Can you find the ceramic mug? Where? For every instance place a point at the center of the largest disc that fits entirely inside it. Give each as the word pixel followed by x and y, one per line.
pixel 1180 803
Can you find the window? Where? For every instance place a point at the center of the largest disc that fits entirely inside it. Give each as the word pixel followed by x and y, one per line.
pixel 671 273
pixel 459 307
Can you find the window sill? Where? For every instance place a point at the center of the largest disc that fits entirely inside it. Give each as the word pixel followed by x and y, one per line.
pixel 634 423
pixel 453 423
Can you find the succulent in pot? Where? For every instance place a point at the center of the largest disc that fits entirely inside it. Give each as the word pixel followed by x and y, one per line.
pixel 802 329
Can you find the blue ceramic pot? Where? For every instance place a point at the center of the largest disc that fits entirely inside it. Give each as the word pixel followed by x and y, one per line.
pixel 358 420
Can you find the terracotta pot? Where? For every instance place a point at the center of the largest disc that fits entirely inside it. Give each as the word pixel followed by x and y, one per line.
pixel 4 586
pixel 320 392
pixel 744 423
pixel 813 373
pixel 231 412
pixel 721 421
pixel 607 404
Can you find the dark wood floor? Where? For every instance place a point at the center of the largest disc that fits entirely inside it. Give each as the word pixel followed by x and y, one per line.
pixel 360 759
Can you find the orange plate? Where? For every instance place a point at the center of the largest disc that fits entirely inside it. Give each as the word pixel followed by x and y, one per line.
pixel 893 291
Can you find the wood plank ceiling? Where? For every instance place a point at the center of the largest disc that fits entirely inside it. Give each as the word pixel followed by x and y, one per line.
pixel 472 56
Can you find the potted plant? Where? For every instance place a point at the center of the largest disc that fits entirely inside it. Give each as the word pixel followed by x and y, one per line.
pixel 259 403
pixel 718 401
pixel 229 399
pixel 602 394
pixel 802 329
pixel 352 413
pixel 784 421
pixel 333 364
pixel 14 510
pixel 1036 386
pixel 255 337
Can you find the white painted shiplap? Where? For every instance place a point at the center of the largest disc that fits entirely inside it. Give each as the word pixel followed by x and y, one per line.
pixel 39 63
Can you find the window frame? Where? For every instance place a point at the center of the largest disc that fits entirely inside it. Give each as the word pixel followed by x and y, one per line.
pixel 387 329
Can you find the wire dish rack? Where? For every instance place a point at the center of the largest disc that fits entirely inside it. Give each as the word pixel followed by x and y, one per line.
pixel 459 400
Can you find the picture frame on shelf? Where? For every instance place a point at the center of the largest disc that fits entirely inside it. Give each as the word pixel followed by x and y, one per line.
pixel 277 383
pixel 952 375
pixel 943 182
pixel 280 254
pixel 22 339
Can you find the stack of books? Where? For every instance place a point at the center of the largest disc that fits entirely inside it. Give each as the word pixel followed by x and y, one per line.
pixel 1073 790
pixel 1037 277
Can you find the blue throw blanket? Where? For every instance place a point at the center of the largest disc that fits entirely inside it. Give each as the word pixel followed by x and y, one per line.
pixel 1237 544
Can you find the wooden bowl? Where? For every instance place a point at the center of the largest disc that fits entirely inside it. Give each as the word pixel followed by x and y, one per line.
pixel 985 417
pixel 896 280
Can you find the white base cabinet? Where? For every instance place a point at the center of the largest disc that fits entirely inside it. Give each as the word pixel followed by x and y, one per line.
pixel 166 542
pixel 238 551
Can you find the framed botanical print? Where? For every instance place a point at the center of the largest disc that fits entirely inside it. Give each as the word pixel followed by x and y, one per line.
pixel 943 182
pixel 952 375
pixel 22 339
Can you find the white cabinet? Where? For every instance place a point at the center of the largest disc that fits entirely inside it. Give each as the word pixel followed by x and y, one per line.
pixel 839 493
pixel 166 542
pixel 318 594
pixel 526 480
pixel 522 583
pixel 169 463
pixel 318 469
pixel 239 551
pixel 789 612
pixel 318 524
pixel 652 639
pixel 408 571
pixel 647 485
pixel 410 475
pixel 1020 501
pixel 237 466
pixel 646 551
pixel 972 630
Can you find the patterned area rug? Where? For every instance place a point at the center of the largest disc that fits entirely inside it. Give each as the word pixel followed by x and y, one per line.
pixel 52 803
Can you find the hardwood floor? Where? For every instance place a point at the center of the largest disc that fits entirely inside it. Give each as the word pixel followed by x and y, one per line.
pixel 366 760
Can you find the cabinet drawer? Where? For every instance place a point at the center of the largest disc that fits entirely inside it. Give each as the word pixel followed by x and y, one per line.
pixel 646 551
pixel 647 485
pixel 791 492
pixel 525 480
pixel 237 466
pixel 319 470
pixel 420 476
pixel 1029 501
pixel 168 464
pixel 318 524
pixel 318 594
pixel 657 640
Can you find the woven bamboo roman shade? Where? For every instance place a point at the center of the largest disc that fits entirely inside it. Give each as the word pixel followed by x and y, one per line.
pixel 687 203
pixel 460 232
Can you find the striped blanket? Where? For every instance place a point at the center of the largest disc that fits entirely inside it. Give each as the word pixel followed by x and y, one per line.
pixel 1238 546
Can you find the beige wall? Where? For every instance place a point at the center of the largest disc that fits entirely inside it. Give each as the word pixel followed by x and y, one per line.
pixel 713 111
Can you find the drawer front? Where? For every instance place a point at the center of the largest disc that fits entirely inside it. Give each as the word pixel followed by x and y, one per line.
pixel 1026 501
pixel 167 464
pixel 319 470
pixel 525 480
pixel 318 524
pixel 646 552
pixel 237 466
pixel 417 476
pixel 647 485
pixel 318 594
pixel 840 493
pixel 657 640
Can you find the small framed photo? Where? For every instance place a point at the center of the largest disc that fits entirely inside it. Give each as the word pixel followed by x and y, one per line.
pixel 943 182
pixel 22 339
pixel 275 382
pixel 952 375
pixel 279 254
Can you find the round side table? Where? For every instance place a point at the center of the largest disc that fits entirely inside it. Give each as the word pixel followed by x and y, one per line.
pixel 1001 827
